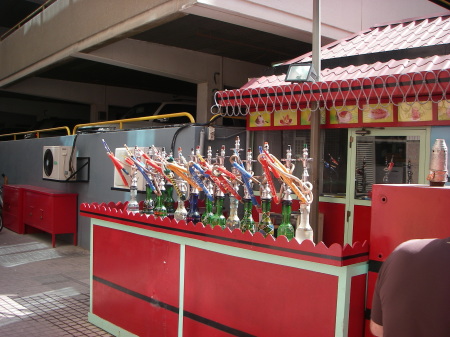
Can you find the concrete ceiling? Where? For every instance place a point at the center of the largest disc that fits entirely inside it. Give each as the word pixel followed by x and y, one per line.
pixel 188 32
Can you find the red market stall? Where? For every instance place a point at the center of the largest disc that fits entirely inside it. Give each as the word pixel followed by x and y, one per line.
pixel 380 101
pixel 153 277
pixel 160 277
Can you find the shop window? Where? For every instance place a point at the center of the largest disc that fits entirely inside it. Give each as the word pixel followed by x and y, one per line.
pixel 334 162
pixel 333 159
pixel 385 160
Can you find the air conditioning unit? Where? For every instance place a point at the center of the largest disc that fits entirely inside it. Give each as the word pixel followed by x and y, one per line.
pixel 59 162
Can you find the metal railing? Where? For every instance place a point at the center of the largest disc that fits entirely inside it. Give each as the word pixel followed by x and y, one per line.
pixel 26 19
pixel 138 119
pixel 119 121
pixel 37 132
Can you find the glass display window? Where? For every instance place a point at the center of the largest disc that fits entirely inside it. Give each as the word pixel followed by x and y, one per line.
pixel 390 159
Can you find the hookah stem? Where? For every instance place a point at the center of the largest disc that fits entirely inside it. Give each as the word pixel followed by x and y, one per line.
pixel 228 187
pixel 182 172
pixel 145 173
pixel 289 180
pixel 139 167
pixel 157 167
pixel 232 176
pixel 246 177
pixel 117 164
pixel 209 171
pixel 264 163
pixel 176 187
pixel 192 167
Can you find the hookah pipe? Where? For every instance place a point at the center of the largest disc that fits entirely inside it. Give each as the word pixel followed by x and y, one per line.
pixel 333 166
pixel 223 174
pixel 218 174
pixel 301 189
pixel 334 162
pixel 246 175
pixel 388 169
pixel 180 169
pixel 362 172
pixel 208 170
pixel 264 158
pixel 149 161
pixel 132 160
pixel 117 164
pixel 161 167
pixel 193 168
pixel 409 172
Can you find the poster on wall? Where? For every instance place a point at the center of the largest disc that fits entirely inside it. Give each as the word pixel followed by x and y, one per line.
pixel 259 119
pixel 444 110
pixel 306 116
pixel 378 113
pixel 286 117
pixel 347 114
pixel 415 111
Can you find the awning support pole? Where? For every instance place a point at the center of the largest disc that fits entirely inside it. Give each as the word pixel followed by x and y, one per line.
pixel 315 121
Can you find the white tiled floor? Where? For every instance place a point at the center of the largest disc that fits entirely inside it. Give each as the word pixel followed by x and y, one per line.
pixel 44 291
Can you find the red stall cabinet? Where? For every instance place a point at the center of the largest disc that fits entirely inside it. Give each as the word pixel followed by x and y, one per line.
pixel 159 277
pixel 50 211
pixel 27 207
pixel 12 208
pixel 401 213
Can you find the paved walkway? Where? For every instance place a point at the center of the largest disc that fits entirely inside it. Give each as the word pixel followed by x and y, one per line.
pixel 44 291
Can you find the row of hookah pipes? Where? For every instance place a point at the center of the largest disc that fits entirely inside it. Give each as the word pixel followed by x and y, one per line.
pixel 163 173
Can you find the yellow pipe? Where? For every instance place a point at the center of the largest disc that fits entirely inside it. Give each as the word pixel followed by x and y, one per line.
pixel 232 117
pixel 119 121
pixel 138 119
pixel 36 131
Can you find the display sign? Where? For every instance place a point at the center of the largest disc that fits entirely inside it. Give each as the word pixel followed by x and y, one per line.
pixel 347 114
pixel 260 119
pixel 444 111
pixel 415 111
pixel 380 114
pixel 286 117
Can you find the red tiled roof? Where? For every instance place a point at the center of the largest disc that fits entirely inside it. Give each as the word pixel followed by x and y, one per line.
pixel 414 33
pixel 393 67
pixel 388 37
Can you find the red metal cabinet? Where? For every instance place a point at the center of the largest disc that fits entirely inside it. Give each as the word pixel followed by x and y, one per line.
pixel 401 213
pixel 12 208
pixel 50 211
pixel 405 212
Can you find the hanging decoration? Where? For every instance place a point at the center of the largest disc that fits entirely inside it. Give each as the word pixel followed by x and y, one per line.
pixel 410 90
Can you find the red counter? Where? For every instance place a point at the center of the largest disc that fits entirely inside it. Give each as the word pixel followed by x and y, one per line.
pixel 153 277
